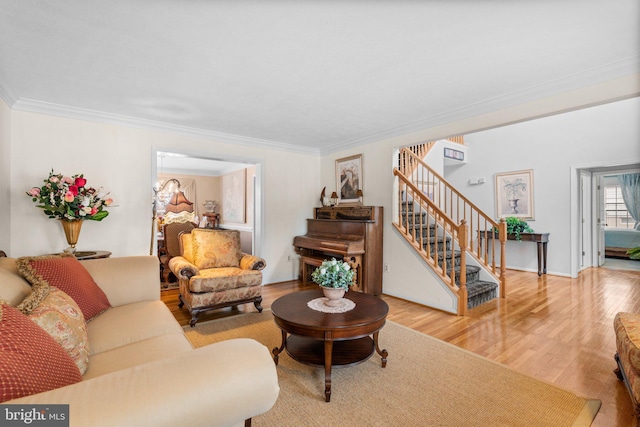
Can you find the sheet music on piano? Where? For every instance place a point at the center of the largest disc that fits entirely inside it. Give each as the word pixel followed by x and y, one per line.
pixel 349 233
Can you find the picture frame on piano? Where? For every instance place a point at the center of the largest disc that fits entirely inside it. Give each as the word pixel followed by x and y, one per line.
pixel 349 180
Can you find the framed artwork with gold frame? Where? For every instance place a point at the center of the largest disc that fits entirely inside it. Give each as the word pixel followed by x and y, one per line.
pixel 514 194
pixel 349 180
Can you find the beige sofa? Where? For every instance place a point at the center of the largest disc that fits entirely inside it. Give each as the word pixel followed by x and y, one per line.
pixel 142 369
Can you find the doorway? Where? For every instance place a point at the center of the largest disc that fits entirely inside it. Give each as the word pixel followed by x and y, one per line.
pixel 588 249
pixel 214 174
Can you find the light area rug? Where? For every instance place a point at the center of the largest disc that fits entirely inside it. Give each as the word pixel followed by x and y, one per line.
pixel 427 382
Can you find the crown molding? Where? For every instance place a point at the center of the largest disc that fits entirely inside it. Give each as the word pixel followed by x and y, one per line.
pixel 594 76
pixel 597 75
pixel 65 111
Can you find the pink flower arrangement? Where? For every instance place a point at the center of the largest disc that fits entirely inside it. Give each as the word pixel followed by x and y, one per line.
pixel 64 197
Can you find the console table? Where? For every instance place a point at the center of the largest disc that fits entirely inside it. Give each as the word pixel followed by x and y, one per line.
pixel 541 240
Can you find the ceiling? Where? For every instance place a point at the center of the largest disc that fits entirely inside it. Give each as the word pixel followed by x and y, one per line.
pixel 314 76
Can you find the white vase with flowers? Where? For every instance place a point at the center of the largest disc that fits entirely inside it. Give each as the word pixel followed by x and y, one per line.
pixel 334 278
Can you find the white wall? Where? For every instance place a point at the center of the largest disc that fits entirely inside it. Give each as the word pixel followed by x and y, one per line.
pixel 5 175
pixel 607 133
pixel 120 159
pixel 604 135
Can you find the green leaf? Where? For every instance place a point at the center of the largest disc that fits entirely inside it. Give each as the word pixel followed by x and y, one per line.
pixel 99 216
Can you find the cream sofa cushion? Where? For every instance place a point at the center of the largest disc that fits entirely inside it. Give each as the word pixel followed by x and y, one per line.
pixel 138 353
pixel 126 279
pixel 13 288
pixel 130 323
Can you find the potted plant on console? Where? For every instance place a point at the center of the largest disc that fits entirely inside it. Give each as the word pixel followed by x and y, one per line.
pixel 334 278
pixel 516 226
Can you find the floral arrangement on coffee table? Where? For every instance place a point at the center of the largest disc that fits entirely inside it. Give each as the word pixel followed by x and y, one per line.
pixel 334 274
pixel 69 198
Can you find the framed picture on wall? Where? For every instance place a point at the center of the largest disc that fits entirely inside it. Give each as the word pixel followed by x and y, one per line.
pixel 233 195
pixel 514 194
pixel 349 179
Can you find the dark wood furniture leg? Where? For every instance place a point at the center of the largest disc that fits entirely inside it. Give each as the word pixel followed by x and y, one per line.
pixel 539 245
pixel 258 304
pixel 328 352
pixel 276 351
pixel 383 353
pixel 544 257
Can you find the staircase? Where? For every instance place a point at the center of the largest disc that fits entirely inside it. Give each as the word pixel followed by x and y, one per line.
pixel 436 241
pixel 445 229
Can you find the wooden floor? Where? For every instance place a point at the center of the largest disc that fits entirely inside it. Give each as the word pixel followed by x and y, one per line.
pixel 553 328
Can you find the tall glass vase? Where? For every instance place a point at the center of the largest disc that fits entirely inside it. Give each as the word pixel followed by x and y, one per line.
pixel 71 232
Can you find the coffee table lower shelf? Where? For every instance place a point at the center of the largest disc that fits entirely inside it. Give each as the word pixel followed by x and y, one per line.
pixel 345 353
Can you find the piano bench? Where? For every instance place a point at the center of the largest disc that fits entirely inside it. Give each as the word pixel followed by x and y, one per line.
pixel 307 260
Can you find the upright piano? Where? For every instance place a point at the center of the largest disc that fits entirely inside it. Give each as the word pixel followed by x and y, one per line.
pixel 349 233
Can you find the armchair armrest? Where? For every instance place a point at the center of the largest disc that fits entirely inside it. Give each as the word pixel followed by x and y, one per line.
pixel 251 262
pixel 182 268
pixel 203 387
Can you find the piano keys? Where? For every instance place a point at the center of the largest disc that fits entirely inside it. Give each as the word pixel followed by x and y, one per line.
pixel 349 233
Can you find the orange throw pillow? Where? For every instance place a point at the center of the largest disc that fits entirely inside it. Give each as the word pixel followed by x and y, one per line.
pixel 30 360
pixel 66 273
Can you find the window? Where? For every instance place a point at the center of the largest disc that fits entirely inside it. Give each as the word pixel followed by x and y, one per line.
pixel 616 212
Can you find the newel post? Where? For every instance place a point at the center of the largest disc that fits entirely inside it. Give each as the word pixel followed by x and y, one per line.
pixel 463 230
pixel 502 235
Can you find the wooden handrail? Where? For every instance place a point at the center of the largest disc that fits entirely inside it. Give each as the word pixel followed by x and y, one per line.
pixel 454 214
pixel 421 150
pixel 415 219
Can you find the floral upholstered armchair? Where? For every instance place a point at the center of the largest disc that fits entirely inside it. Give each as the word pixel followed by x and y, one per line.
pixel 213 272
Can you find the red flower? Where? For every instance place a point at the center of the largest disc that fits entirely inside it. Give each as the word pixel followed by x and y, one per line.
pixel 73 189
pixel 80 182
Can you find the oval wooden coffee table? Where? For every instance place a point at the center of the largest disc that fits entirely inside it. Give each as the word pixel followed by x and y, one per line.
pixel 329 339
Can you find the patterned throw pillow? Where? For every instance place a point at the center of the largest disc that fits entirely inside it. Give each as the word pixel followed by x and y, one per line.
pixel 61 318
pixel 216 248
pixel 66 273
pixel 30 360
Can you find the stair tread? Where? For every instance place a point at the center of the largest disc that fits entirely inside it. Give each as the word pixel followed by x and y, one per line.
pixel 479 287
pixel 478 291
pixel 470 268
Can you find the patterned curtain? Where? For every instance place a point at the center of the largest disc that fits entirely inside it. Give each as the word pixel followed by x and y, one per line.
pixel 630 186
